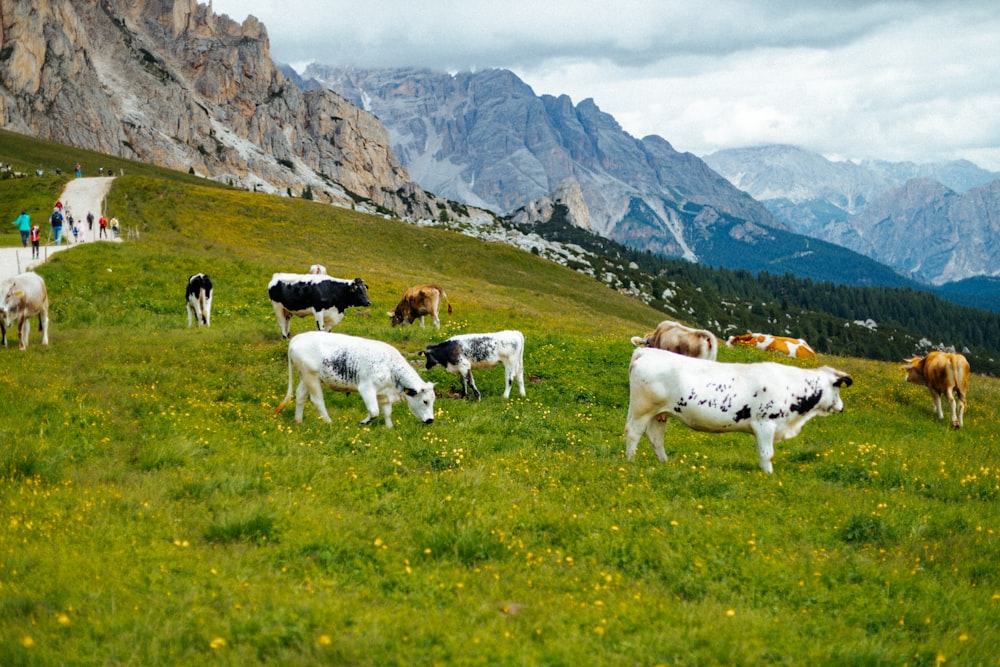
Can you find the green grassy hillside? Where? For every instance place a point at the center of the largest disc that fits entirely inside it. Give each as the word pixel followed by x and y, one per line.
pixel 156 511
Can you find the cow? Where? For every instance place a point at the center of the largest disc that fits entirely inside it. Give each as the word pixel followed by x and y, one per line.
pixel 318 295
pixel 21 298
pixel 942 373
pixel 676 337
pixel 198 296
pixel 796 348
pixel 771 400
pixel 461 354
pixel 317 269
pixel 417 302
pixel 374 369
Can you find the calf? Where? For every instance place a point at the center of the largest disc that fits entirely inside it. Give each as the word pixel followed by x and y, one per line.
pixel 676 337
pixel 318 295
pixel 461 354
pixel 417 302
pixel 21 298
pixel 374 369
pixel 770 400
pixel 942 373
pixel 199 299
pixel 795 348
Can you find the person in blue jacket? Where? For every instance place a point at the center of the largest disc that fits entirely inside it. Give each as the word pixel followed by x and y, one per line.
pixel 23 223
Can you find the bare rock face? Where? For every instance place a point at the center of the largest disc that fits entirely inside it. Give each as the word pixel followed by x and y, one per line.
pixel 567 194
pixel 171 83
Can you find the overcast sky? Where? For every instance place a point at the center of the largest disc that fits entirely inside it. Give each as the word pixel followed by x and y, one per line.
pixel 896 80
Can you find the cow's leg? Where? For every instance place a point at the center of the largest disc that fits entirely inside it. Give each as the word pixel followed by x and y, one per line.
pixel 207 311
pixel 370 398
pixel 961 409
pixel 635 426
pixel 421 321
pixel 43 324
pixel 519 374
pixel 467 378
pixel 764 433
pixel 318 314
pixel 950 393
pixel 508 379
pixel 655 430
pixel 3 331
pixel 310 384
pixel 23 328
pixel 190 310
pixel 386 411
pixel 936 397
pixel 435 320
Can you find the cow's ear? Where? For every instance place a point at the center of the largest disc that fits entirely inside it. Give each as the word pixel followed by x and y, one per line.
pixel 409 391
pixel 422 353
pixel 844 381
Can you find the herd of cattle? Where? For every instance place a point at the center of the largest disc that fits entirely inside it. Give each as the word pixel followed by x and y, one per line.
pixel 673 370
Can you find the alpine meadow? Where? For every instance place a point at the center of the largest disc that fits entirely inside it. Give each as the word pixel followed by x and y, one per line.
pixel 156 511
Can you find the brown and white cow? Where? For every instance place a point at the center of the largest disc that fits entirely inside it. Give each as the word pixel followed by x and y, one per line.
pixel 675 337
pixel 21 298
pixel 942 373
pixel 417 302
pixel 795 348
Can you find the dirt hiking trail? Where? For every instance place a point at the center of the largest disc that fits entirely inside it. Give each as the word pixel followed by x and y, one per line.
pixel 80 196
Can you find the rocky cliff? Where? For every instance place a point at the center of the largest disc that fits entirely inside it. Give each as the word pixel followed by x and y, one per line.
pixel 171 83
pixel 485 138
pixel 929 232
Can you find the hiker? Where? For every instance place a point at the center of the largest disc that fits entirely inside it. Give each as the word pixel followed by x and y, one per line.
pixel 102 222
pixel 90 221
pixel 23 224
pixel 36 236
pixel 57 224
pixel 114 227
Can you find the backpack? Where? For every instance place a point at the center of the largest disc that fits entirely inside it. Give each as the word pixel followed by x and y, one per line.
pixel 57 219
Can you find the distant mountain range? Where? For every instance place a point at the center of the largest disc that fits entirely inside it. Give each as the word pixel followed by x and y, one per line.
pixel 485 138
pixel 935 223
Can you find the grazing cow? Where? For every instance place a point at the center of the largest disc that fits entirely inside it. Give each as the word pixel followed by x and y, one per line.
pixel 676 337
pixel 461 354
pixel 417 302
pixel 374 369
pixel 318 295
pixel 795 348
pixel 199 299
pixel 770 400
pixel 317 269
pixel 21 298
pixel 943 373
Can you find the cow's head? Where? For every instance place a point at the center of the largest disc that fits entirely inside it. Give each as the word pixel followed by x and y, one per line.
pixel 914 370
pixel 839 379
pixel 420 400
pixel 395 316
pixel 359 290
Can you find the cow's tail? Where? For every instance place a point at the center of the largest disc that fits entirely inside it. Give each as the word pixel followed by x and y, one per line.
pixel 288 396
pixel 961 381
pixel 445 297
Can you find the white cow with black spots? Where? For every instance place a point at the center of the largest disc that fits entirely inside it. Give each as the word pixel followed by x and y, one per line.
pixel 773 401
pixel 461 354
pixel 374 369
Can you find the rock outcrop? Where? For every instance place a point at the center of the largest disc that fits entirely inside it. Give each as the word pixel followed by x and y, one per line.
pixel 171 83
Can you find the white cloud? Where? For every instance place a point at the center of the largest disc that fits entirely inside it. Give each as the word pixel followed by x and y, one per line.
pixel 900 79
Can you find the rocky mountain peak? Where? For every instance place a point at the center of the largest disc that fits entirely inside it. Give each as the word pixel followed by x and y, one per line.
pixel 171 83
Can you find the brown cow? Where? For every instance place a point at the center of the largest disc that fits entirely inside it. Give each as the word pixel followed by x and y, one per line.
pixel 795 348
pixel 943 373
pixel 675 337
pixel 417 302
pixel 21 298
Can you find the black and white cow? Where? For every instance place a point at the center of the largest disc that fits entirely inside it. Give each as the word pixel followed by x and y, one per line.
pixel 773 401
pixel 374 369
pixel 460 354
pixel 21 298
pixel 198 297
pixel 317 295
